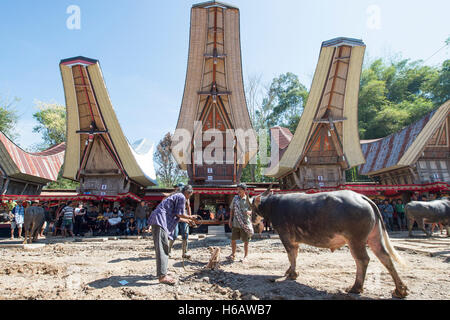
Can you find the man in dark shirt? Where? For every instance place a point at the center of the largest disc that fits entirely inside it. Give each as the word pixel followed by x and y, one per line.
pixel 141 217
pixel 164 220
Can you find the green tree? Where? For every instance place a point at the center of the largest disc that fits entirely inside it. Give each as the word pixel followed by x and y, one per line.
pixel 442 84
pixel 285 101
pixel 395 95
pixel 62 183
pixel 168 172
pixel 52 123
pixel 8 117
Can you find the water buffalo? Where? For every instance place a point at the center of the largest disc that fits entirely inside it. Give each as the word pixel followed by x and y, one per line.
pixel 34 219
pixel 330 220
pixel 437 211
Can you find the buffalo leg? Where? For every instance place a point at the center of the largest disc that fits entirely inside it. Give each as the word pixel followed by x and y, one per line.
pixel 422 227
pixel 382 254
pixel 292 251
pixel 27 234
pixel 410 226
pixel 359 253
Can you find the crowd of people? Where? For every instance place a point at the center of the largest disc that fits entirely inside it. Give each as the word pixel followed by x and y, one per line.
pixel 393 211
pixel 79 219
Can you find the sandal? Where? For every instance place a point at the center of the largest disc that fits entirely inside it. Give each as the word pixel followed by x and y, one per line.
pixel 167 280
pixel 231 257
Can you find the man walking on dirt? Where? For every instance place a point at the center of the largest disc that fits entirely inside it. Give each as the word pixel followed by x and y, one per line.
pixel 240 221
pixel 163 220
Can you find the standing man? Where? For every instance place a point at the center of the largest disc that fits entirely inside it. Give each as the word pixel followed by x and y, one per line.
pixel 182 227
pixel 163 221
pixel 18 213
pixel 68 217
pixel 240 221
pixel 401 219
pixel 79 217
pixel 388 214
pixel 141 215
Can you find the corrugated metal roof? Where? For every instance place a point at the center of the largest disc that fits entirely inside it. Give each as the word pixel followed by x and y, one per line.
pixel 44 165
pixel 385 153
pixel 284 136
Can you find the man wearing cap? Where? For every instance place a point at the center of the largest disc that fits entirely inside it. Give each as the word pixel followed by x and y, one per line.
pixel 18 213
pixel 240 221
pixel 163 220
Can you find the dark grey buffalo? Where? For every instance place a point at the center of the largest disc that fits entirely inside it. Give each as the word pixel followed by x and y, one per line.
pixel 437 211
pixel 330 220
pixel 34 219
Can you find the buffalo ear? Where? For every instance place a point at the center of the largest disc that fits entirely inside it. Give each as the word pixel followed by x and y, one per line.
pixel 267 192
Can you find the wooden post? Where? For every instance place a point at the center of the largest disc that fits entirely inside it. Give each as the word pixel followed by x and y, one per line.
pixel 196 202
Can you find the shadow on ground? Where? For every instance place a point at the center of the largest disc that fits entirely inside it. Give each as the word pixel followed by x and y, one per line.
pixel 138 259
pixel 267 287
pixel 132 281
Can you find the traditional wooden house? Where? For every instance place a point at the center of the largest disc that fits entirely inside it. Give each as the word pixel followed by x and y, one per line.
pixel 326 142
pixel 98 154
pixel 214 101
pixel 418 154
pixel 24 173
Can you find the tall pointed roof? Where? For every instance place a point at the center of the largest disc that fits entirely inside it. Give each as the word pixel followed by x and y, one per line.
pixel 89 113
pixel 209 4
pixel 214 78
pixel 41 167
pixel 333 100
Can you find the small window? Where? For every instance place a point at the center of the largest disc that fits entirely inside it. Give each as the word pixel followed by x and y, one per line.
pixel 210 170
pixel 443 165
pixel 433 165
pixel 210 178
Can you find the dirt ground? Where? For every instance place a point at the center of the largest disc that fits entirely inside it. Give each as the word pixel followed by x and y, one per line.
pixel 93 270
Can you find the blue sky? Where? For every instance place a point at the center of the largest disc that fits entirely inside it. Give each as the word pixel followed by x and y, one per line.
pixel 142 46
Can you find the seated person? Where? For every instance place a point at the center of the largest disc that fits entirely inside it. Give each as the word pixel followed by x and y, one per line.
pixel 204 215
pixel 100 225
pixel 129 214
pixel 91 220
pixel 221 213
pixel 131 227
pixel 108 213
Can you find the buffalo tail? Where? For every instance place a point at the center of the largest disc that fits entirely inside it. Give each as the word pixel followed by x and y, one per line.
pixel 392 252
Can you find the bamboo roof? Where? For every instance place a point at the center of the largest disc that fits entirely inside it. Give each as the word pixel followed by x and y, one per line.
pixel 403 148
pixel 214 72
pixel 90 113
pixel 333 99
pixel 41 167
